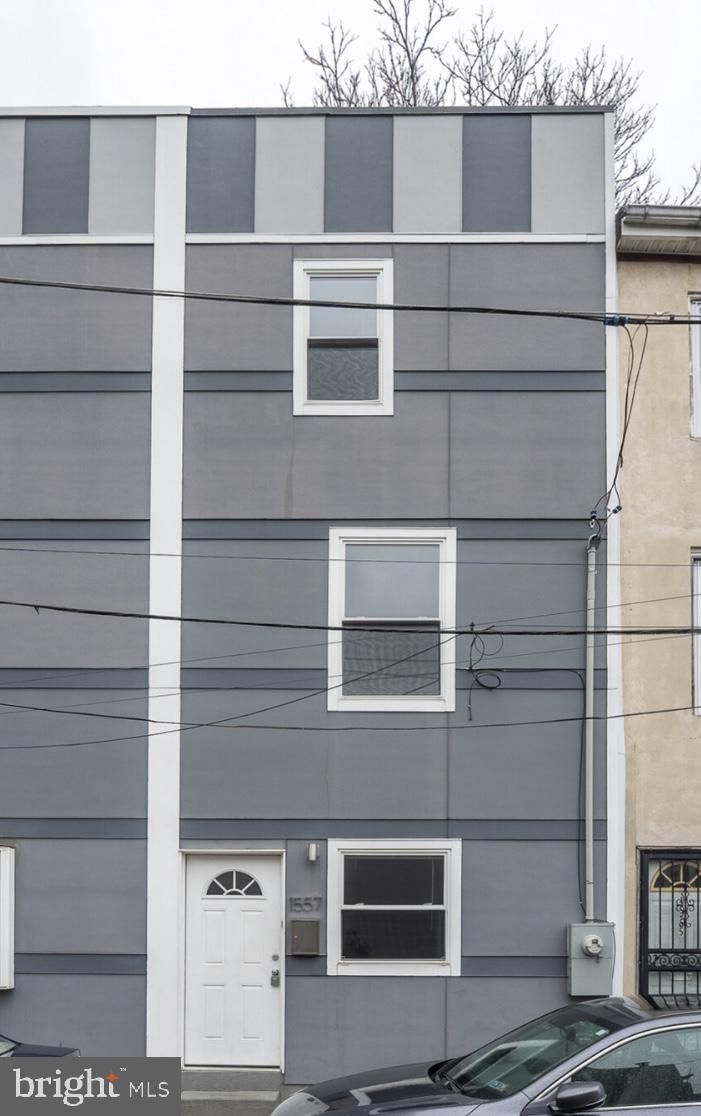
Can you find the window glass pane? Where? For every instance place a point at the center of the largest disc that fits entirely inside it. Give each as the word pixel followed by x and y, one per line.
pixel 393 935
pixel 393 662
pixel 664 1068
pixel 342 371
pixel 392 580
pixel 330 321
pixel 391 880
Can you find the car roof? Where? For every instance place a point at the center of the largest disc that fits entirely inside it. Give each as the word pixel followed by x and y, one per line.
pixel 638 1009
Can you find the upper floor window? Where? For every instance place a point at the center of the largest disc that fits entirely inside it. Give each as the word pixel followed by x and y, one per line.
pixel 391 594
pixel 343 356
pixel 695 311
pixel 696 621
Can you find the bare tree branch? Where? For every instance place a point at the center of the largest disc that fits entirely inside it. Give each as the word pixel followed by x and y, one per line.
pixel 409 67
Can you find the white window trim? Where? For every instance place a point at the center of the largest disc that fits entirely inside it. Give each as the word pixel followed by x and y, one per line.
pixel 338 538
pixel 384 271
pixel 696 622
pixel 695 330
pixel 7 917
pixel 452 851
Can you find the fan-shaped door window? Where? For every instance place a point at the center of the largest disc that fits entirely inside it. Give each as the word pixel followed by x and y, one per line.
pixel 235 885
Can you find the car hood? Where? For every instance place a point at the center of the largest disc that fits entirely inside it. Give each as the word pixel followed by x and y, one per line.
pixel 379 1091
pixel 29 1050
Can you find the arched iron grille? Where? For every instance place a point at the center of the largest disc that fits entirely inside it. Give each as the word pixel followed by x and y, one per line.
pixel 670 927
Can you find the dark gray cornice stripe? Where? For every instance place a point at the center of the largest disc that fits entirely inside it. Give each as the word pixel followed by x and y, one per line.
pixel 437 110
pixel 302 678
pixel 75 529
pixel 318 529
pixel 470 966
pixel 33 382
pixel 112 829
pixel 525 382
pixel 76 678
pixel 97 964
pixel 528 829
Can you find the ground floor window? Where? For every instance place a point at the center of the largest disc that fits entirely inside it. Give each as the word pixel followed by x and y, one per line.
pixel 670 920
pixel 394 907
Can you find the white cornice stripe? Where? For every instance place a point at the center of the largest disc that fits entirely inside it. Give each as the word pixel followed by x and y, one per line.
pixel 95 110
pixel 77 238
pixel 396 238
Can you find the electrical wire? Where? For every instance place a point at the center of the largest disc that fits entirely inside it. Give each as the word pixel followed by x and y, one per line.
pixel 600 317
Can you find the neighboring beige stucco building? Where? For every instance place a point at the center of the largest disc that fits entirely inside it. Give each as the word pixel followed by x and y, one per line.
pixel 659 257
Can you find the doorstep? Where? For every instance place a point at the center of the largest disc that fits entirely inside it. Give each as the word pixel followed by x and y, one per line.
pixel 219 1091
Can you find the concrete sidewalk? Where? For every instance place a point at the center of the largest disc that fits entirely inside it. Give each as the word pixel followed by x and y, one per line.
pixel 226 1092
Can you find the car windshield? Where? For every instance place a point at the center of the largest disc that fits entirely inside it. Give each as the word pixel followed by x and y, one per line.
pixel 514 1061
pixel 6 1045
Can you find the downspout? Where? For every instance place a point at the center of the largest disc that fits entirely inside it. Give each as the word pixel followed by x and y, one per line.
pixel 592 547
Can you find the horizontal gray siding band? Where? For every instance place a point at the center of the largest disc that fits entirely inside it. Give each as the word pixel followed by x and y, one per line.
pixel 108 829
pixel 33 678
pixel 556 829
pixel 75 381
pixel 74 529
pixel 302 678
pixel 470 966
pixel 410 381
pixel 97 964
pixel 438 110
pixel 311 529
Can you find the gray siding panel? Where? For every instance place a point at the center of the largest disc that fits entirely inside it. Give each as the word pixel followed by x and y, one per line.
pixel 515 455
pixel 74 331
pixel 533 277
pixel 496 173
pixel 422 275
pixel 427 174
pixel 479 1009
pixel 56 174
pixel 78 781
pixel 11 176
pixel 74 454
pixel 95 892
pixel 309 467
pixel 347 1024
pixel 89 580
pixel 289 175
pixel 221 174
pixel 122 170
pixel 358 178
pixel 222 336
pixel 568 174
pixel 102 1016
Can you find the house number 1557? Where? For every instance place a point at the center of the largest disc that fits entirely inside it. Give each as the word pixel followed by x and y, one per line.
pixel 306 903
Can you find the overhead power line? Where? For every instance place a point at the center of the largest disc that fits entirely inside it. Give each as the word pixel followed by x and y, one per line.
pixel 471 630
pixel 600 317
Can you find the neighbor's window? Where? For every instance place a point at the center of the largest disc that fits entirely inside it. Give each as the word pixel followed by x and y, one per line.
pixel 391 595
pixel 7 917
pixel 394 907
pixel 343 356
pixel 695 311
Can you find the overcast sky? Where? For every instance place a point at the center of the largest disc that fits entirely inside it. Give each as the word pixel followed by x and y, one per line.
pixel 237 52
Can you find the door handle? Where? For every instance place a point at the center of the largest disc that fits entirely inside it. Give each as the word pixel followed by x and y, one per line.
pixel 275 978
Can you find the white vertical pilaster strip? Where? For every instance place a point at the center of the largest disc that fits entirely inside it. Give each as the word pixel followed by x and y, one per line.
pixel 165 569
pixel 615 748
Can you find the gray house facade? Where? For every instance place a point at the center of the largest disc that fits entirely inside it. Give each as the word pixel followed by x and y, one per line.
pixel 301 824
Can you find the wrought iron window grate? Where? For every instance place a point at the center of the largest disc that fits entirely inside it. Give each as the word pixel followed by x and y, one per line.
pixel 670 928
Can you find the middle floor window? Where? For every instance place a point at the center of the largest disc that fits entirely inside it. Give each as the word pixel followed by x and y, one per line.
pixel 391 605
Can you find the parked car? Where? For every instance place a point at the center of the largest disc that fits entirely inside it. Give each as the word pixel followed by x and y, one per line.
pixel 610 1053
pixel 13 1048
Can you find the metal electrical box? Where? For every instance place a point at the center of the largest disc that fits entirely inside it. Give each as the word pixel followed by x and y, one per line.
pixel 305 937
pixel 591 949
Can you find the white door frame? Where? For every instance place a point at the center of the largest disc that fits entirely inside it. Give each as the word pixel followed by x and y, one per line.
pixel 224 852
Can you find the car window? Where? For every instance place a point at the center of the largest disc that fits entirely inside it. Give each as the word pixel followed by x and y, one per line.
pixel 659 1068
pixel 514 1061
pixel 6 1045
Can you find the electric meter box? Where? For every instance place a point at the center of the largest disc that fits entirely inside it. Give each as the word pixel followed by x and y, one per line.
pixel 591 949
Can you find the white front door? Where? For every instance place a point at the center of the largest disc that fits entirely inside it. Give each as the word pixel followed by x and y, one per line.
pixel 233 961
